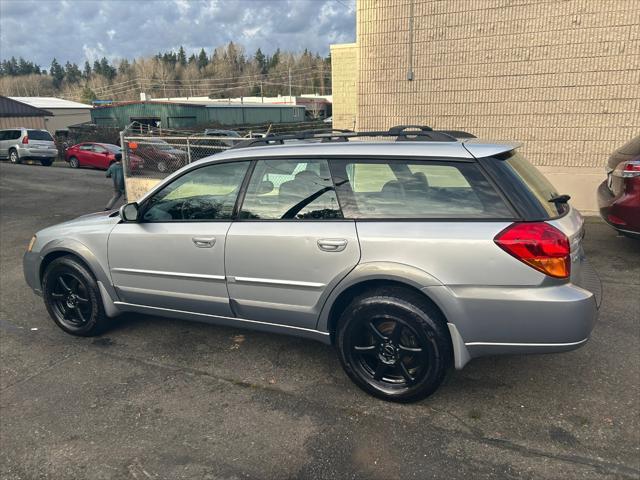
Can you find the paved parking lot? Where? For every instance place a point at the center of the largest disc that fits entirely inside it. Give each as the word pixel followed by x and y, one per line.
pixel 161 399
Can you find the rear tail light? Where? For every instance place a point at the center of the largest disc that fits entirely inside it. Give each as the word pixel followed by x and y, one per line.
pixel 628 169
pixel 25 140
pixel 539 245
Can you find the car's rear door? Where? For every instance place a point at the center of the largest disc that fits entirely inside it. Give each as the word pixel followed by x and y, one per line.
pixel 291 244
pixel 173 258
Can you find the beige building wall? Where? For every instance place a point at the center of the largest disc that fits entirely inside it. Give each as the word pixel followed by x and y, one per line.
pixel 26 122
pixel 64 117
pixel 563 77
pixel 344 77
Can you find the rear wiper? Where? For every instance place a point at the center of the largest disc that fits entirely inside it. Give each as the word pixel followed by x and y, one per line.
pixel 560 199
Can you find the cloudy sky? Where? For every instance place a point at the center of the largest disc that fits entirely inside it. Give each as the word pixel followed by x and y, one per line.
pixel 79 30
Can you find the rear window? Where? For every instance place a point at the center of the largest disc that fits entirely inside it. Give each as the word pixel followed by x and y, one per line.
pixel 39 135
pixel 537 183
pixel 397 188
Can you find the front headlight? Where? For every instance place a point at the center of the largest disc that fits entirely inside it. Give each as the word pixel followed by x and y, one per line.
pixel 31 243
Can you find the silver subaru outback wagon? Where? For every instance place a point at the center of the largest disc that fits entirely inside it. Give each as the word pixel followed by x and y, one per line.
pixel 410 255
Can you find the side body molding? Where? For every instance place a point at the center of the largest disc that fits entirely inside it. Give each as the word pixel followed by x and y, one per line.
pixel 363 272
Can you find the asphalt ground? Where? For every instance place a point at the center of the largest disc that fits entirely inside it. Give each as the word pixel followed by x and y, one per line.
pixel 157 398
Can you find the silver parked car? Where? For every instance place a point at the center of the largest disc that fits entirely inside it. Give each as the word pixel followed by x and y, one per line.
pixel 408 256
pixel 18 144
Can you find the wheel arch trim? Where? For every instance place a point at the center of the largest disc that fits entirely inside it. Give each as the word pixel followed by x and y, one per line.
pixel 374 271
pixel 81 251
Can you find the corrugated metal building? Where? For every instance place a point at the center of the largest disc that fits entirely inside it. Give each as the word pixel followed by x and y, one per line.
pixel 15 114
pixel 192 116
pixel 63 113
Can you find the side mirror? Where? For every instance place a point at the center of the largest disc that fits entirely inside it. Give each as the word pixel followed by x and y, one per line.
pixel 129 212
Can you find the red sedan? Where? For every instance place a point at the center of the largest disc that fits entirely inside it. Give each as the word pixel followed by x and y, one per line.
pixel 619 195
pixel 98 155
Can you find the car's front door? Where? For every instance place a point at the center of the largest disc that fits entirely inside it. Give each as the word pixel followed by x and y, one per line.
pixel 290 246
pixel 173 257
pixel 100 156
pixel 85 155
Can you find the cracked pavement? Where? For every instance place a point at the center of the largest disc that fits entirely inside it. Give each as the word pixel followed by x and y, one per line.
pixel 157 398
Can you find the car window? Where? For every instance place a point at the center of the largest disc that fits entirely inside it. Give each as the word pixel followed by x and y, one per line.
pixel 99 149
pixel 207 193
pixel 39 135
pixel 291 189
pixel 12 135
pixel 86 147
pixel 399 188
pixel 4 134
pixel 537 183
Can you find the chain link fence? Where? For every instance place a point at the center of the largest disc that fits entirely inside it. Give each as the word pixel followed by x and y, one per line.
pixel 151 154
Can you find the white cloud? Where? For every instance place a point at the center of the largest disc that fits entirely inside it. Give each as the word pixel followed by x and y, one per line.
pixel 146 27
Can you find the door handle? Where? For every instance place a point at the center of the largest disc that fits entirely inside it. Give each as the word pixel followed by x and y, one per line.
pixel 332 244
pixel 204 242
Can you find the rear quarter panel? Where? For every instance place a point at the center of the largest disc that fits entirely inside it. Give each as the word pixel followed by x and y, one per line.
pixel 455 253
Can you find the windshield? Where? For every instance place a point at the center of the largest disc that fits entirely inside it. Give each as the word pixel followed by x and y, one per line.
pixel 39 135
pixel 113 148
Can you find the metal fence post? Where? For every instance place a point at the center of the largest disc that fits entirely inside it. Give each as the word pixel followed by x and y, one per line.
pixel 125 163
pixel 188 151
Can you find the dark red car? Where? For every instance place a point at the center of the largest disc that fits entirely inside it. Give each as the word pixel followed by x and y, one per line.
pixel 619 194
pixel 98 155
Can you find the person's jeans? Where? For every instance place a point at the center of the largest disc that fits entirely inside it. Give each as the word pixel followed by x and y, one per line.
pixel 116 196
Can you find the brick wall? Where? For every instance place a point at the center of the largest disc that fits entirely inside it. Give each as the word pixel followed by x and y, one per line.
pixel 562 76
pixel 344 76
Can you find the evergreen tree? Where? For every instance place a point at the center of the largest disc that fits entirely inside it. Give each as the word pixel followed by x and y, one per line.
pixel 72 73
pixel 182 56
pixel 57 72
pixel 261 60
pixel 203 60
pixel 86 73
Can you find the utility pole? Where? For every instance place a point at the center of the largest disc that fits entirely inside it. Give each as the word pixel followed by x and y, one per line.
pixel 290 84
pixel 261 94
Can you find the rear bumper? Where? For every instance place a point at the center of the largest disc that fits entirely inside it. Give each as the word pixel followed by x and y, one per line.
pixel 37 153
pixel 622 212
pixel 517 320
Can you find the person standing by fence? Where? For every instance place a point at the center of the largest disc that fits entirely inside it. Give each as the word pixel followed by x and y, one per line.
pixel 117 174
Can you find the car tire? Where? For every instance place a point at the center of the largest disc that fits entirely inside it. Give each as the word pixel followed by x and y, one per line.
pixel 46 162
pixel 162 166
pixel 394 344
pixel 72 297
pixel 74 162
pixel 14 157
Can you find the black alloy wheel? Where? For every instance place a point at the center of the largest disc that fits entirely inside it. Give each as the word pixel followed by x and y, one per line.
pixel 72 297
pixel 394 344
pixel 388 351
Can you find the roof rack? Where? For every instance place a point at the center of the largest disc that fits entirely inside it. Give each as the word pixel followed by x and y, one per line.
pixel 403 133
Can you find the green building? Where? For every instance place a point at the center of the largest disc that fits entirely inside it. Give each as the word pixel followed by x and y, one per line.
pixel 173 115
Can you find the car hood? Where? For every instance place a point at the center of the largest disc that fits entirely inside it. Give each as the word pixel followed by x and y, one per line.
pixel 97 221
